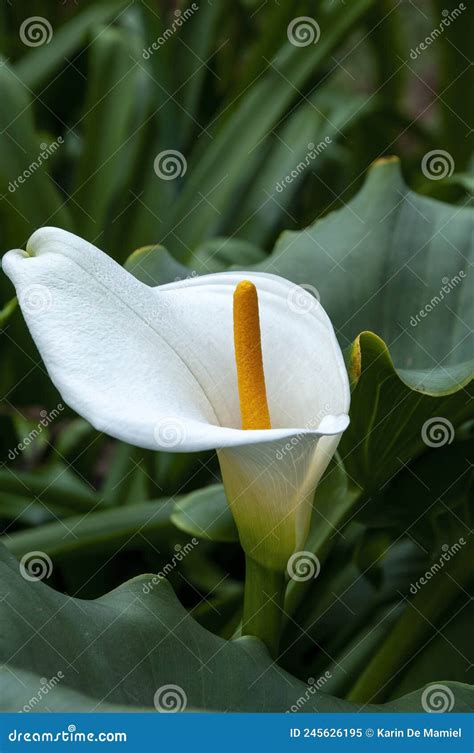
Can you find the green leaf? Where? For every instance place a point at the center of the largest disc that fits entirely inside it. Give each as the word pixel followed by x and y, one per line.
pixel 307 140
pixel 380 260
pixel 192 46
pixel 154 265
pixel 218 254
pixel 377 263
pixel 449 654
pixel 37 65
pixel 216 171
pixel 30 197
pixel 125 646
pixel 395 414
pixel 56 486
pixel 7 311
pixel 109 130
pixel 206 514
pixel 101 529
pixel 428 498
pixel 428 613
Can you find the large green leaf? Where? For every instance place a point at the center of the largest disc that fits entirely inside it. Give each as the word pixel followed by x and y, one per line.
pixel 428 498
pixel 124 647
pixel 395 414
pixel 377 263
pixel 382 259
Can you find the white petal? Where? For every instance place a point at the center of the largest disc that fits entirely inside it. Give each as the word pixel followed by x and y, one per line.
pixel 97 330
pixel 305 375
pixel 270 489
pixel 155 367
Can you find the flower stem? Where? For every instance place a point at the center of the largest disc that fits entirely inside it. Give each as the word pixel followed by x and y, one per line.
pixel 263 604
pixel 422 614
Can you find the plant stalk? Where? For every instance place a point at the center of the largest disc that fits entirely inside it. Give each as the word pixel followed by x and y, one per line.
pixel 263 604
pixel 412 631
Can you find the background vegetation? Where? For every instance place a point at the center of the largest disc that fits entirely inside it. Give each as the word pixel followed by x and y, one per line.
pixel 242 105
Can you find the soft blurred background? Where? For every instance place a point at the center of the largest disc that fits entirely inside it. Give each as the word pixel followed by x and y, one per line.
pixel 240 104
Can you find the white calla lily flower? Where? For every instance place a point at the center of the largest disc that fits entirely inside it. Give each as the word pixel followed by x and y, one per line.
pixel 156 367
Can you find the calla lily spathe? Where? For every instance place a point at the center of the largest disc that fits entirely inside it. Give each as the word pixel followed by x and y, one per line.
pixel 155 367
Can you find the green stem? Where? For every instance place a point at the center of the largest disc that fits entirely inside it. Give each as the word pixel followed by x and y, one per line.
pixel 263 604
pixel 413 629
